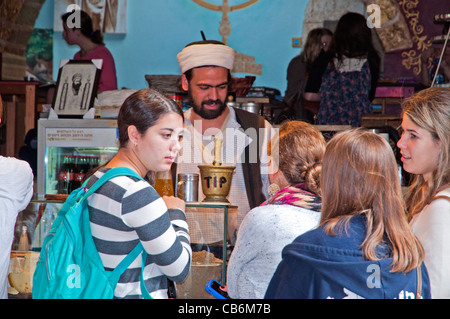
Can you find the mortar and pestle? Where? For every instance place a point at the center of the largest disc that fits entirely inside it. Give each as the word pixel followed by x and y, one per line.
pixel 216 178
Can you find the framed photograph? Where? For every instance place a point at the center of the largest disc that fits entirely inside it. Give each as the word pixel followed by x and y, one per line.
pixel 76 87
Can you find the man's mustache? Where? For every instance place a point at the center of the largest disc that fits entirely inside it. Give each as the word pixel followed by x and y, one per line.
pixel 219 102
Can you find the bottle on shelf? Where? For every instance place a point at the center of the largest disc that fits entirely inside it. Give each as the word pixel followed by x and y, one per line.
pixel 75 170
pixel 80 171
pixel 440 79
pixel 66 176
pixel 61 187
pixel 24 244
pixel 94 162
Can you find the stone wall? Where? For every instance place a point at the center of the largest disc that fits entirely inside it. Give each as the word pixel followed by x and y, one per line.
pixel 17 18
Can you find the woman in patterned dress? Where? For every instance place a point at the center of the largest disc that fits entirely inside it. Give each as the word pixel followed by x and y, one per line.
pixel 345 78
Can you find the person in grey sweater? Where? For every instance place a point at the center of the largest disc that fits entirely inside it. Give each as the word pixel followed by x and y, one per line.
pixel 289 212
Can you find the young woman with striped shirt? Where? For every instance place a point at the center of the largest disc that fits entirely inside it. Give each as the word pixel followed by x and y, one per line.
pixel 127 210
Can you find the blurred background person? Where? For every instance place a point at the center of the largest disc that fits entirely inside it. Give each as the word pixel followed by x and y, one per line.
pixel 297 74
pixel 91 46
pixel 345 78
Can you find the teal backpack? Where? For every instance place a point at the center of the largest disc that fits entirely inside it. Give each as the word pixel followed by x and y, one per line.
pixel 69 265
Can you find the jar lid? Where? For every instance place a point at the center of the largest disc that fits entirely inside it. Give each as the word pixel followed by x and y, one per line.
pixel 187 177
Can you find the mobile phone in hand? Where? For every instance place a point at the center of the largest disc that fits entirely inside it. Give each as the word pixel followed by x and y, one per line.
pixel 216 289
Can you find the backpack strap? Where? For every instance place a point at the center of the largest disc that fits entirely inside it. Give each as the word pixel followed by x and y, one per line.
pixel 123 265
pixel 144 290
pixel 111 173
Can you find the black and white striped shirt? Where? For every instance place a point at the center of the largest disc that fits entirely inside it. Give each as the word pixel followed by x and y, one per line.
pixel 126 210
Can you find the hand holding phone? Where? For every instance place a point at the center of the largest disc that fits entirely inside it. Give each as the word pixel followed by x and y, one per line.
pixel 216 289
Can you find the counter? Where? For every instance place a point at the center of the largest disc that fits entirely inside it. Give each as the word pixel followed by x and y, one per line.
pixel 212 229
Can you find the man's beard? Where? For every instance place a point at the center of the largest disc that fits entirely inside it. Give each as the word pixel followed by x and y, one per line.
pixel 205 113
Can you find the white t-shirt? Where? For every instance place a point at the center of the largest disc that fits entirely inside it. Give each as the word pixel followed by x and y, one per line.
pixel 432 227
pixel 16 190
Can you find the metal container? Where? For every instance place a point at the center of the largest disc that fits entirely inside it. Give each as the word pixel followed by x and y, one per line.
pixel 234 104
pixel 216 182
pixel 187 187
pixel 252 107
pixel 384 134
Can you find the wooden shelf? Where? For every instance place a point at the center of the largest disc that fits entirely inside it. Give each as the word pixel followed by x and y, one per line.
pixel 378 120
pixel 15 89
pixel 441 18
pixel 439 39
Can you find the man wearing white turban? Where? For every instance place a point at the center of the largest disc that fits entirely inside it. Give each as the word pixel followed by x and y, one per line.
pixel 203 53
pixel 206 74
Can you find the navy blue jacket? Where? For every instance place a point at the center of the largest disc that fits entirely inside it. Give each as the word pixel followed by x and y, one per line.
pixel 317 266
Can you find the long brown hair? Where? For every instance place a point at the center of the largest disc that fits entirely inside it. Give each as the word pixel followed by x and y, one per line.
pixel 353 39
pixel 313 45
pixel 359 176
pixel 430 110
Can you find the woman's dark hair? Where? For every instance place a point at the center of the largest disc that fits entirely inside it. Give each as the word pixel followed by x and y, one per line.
pixel 86 26
pixel 353 38
pixel 143 109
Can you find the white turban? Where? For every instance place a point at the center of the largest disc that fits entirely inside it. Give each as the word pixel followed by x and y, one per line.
pixel 197 55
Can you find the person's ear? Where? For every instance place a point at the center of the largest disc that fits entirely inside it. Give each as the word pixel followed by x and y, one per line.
pixel 184 82
pixel 133 134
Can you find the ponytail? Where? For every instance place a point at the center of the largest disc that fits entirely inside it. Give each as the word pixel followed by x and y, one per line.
pixel 96 37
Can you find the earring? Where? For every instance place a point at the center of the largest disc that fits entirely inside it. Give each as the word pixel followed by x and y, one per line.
pixel 135 144
pixel 273 189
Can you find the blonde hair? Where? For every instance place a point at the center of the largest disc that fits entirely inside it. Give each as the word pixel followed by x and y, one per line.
pixel 359 176
pixel 313 44
pixel 430 110
pixel 301 148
